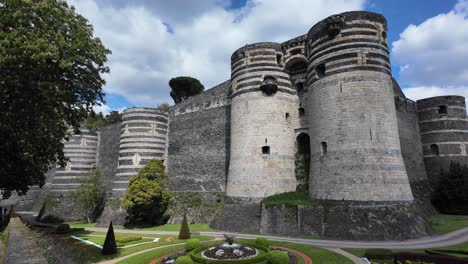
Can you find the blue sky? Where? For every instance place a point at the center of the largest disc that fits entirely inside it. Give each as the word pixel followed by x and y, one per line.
pixel 155 40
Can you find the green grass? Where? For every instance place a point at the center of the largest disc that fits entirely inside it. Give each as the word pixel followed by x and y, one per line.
pixel 149 256
pixel 94 254
pixel 100 240
pixel 290 198
pixel 166 227
pixel 442 224
pixel 318 255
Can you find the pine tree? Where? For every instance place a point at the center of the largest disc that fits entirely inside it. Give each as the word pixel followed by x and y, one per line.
pixel 109 246
pixel 184 229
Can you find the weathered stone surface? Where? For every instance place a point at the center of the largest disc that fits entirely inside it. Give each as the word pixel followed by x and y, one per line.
pixel 280 219
pixel 238 218
pixel 108 153
pixel 112 212
pixel 199 207
pixel 375 221
pixel 310 220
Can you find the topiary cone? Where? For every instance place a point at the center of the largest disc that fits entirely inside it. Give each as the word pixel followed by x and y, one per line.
pixel 184 229
pixel 110 246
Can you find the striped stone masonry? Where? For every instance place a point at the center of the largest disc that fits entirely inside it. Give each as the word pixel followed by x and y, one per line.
pixel 143 137
pixel 81 150
pixel 355 147
pixel 444 132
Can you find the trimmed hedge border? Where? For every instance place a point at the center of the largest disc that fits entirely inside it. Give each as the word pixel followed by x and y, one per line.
pixel 202 260
pixel 404 256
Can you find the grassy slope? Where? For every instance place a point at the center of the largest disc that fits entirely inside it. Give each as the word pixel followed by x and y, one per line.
pixel 448 223
pixel 149 256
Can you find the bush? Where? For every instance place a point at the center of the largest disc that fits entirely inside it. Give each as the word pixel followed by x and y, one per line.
pixel 184 260
pixel 277 257
pixel 379 254
pixel 405 257
pixel 51 219
pixel 262 241
pixel 192 244
pixel 147 197
pixel 62 228
pixel 184 229
pixel 127 239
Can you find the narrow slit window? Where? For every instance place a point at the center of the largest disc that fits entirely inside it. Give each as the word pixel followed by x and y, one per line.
pixel 286 116
pixel 442 109
pixel 320 70
pixel 323 146
pixel 435 150
pixel 266 150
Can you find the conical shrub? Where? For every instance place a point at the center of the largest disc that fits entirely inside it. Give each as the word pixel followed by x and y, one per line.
pixel 184 229
pixel 110 247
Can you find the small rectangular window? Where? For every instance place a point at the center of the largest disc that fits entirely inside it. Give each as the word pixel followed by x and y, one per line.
pixel 286 116
pixel 266 150
pixel 442 109
pixel 301 111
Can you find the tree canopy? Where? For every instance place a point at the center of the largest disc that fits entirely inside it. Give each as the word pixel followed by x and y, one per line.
pixel 147 197
pixel 51 67
pixel 94 120
pixel 183 87
pixel 90 195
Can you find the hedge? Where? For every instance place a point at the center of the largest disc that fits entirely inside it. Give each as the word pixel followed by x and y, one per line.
pixel 236 261
pixel 439 259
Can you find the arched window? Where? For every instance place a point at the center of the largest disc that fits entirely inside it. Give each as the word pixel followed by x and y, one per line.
pixel 320 70
pixel 323 147
pixel 435 150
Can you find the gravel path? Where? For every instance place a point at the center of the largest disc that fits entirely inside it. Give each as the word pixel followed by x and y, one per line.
pixel 21 248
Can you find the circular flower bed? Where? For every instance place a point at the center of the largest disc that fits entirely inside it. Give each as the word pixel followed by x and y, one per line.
pixel 227 252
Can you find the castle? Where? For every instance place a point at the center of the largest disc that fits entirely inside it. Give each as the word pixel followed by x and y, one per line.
pixel 318 112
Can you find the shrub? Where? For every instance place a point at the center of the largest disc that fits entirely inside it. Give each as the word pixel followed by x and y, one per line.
pixel 147 197
pixel 262 241
pixel 184 229
pixel 277 257
pixel 184 260
pixel 51 219
pixel 405 257
pixel 127 239
pixel 109 246
pixel 379 254
pixel 192 244
pixel 62 228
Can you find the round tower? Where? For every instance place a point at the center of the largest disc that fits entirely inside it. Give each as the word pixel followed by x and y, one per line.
pixel 263 103
pixel 355 147
pixel 444 133
pixel 81 150
pixel 143 137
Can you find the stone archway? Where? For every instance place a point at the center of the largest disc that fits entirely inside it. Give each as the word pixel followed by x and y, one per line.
pixel 302 161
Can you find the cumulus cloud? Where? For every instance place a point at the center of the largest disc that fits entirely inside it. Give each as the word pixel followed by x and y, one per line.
pixel 153 41
pixel 433 54
pixel 421 92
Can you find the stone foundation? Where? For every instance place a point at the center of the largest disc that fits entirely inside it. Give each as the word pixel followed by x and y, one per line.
pixel 200 207
pixel 339 220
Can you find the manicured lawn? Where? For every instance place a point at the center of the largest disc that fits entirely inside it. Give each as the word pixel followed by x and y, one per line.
pixel 448 223
pixel 94 254
pixel 99 239
pixel 167 227
pixel 149 256
pixel 290 198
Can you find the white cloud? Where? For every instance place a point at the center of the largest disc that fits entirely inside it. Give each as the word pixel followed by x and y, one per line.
pixel 145 55
pixel 104 109
pixel 434 53
pixel 421 92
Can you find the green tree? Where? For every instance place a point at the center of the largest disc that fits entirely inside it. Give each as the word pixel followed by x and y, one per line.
pixel 109 247
pixel 94 120
pixel 113 117
pixel 183 87
pixel 451 192
pixel 184 232
pixel 51 67
pixel 90 196
pixel 147 197
pixel 164 107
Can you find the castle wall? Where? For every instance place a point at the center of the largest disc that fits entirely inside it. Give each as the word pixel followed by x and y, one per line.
pixel 444 133
pixel 199 142
pixel 108 153
pixel 143 136
pixel 410 139
pixel 353 126
pixel 262 124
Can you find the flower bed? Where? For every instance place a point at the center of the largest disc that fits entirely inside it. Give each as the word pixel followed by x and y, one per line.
pixel 196 255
